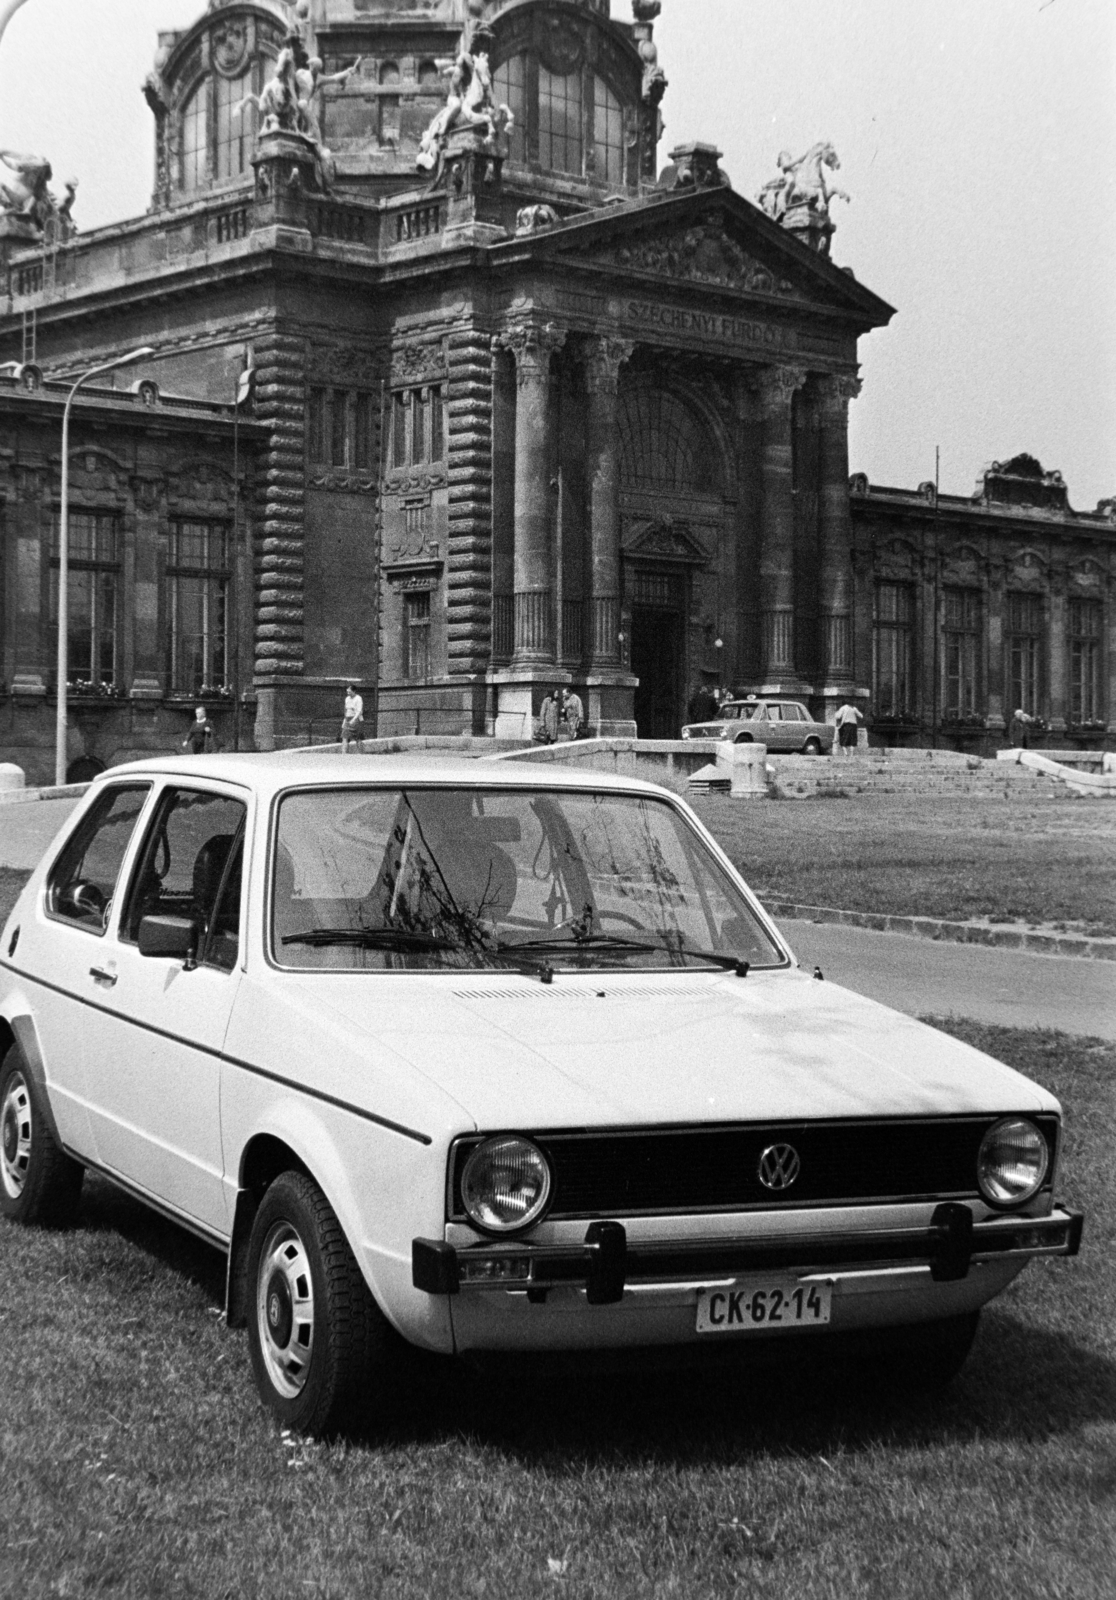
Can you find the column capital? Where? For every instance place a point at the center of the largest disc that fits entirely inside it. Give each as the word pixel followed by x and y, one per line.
pixel 776 387
pixel 604 356
pixel 834 390
pixel 532 343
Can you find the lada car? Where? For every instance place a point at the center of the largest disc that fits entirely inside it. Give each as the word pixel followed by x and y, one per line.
pixel 481 1057
pixel 784 726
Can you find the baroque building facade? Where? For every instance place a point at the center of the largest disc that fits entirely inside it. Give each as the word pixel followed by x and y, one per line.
pixel 513 404
pixel 531 413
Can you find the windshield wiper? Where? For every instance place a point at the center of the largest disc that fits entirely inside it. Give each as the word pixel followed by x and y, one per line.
pixel 587 941
pixel 729 963
pixel 372 938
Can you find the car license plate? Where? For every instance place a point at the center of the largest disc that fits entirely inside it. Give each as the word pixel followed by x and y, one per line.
pixel 763 1306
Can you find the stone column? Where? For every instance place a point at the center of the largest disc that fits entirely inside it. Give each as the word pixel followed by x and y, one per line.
pixel 609 687
pixel 834 394
pixel 533 346
pixel 604 358
pixel 533 665
pixel 777 388
pixel 1056 665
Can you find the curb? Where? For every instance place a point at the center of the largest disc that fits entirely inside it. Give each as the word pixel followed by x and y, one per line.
pixel 1030 940
pixel 63 791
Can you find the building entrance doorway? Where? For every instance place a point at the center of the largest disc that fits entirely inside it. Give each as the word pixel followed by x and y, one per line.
pixel 657 663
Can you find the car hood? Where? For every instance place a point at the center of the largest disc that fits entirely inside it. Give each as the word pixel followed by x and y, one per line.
pixel 641 1049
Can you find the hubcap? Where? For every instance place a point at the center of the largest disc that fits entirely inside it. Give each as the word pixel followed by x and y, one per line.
pixel 285 1310
pixel 15 1138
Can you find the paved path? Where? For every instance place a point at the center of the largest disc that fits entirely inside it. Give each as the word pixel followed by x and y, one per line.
pixel 919 976
pixel 931 977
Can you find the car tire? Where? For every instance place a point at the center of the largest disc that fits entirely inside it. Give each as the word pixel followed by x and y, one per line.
pixel 40 1185
pixel 744 738
pixel 321 1348
pixel 812 747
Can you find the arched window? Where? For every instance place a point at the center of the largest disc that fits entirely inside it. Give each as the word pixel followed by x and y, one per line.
pixel 567 123
pixel 234 133
pixel 663 445
pixel 195 125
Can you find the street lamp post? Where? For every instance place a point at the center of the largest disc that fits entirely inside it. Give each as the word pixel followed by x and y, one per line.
pixel 64 548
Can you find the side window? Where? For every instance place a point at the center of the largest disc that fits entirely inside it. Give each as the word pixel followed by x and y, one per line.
pixel 190 867
pixel 82 882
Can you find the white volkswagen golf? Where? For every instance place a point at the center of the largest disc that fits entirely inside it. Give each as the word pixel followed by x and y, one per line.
pixel 481 1059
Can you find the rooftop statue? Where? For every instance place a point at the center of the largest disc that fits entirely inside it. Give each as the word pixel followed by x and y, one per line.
pixel 287 102
pixel 802 187
pixel 29 198
pixel 469 104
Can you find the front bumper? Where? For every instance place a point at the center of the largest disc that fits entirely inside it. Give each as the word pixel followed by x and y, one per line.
pixel 607 1263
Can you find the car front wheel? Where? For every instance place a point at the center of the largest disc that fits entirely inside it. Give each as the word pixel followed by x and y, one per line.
pixel 39 1182
pixel 321 1348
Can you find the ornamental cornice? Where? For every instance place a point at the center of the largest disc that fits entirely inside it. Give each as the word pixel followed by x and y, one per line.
pixel 834 391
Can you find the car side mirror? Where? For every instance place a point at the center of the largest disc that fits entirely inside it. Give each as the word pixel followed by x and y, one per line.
pixel 176 937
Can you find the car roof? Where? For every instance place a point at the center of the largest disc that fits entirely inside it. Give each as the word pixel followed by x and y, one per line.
pixel 271 773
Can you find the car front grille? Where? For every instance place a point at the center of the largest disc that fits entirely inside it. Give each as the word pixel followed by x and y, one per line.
pixel 615 1173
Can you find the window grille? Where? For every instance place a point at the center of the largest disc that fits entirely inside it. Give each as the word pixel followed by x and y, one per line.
pixel 197 604
pixel 1086 660
pixel 1026 629
pixel 961 655
pixel 93 586
pixel 893 650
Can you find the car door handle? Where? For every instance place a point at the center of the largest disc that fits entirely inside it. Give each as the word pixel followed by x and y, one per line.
pixel 103 975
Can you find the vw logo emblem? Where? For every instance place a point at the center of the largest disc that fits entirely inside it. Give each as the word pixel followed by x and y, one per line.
pixel 273 1312
pixel 779 1166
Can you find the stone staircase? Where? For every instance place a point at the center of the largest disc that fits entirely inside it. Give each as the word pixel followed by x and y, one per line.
pixel 915 772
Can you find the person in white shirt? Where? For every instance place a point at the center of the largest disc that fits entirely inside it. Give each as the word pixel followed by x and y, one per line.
pixel 848 722
pixel 352 723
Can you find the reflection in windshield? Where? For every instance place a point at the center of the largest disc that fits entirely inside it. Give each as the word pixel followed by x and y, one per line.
pixel 444 878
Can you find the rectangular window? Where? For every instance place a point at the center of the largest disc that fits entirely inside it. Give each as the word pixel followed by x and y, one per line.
pixel 93 581
pixel 235 131
pixel 364 423
pixel 399 430
pixel 1025 632
pixel 608 135
pixel 1086 634
pixel 316 425
pixel 416 635
pixel 197 603
pixel 961 654
pixel 437 425
pixel 893 650
pixel 561 130
pixel 339 429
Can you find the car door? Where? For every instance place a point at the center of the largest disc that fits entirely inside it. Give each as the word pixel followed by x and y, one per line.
pixel 59 947
pixel 153 1053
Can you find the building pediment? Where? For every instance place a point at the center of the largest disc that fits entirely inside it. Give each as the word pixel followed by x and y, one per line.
pixel 663 539
pixel 708 239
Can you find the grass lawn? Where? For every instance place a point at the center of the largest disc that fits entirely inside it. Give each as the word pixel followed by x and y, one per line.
pixel 1033 860
pixel 137 1460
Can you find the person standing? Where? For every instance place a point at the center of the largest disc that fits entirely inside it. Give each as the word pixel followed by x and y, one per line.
pixel 1021 725
pixel 202 737
pixel 352 723
pixel 574 713
pixel 848 720
pixel 548 718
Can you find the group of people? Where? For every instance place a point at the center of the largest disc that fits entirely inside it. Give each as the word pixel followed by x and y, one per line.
pixel 561 708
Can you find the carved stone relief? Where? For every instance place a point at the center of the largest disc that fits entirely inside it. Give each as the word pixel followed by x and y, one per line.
pixel 700 255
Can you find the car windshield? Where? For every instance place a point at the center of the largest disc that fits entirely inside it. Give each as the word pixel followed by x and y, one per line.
pixel 430 878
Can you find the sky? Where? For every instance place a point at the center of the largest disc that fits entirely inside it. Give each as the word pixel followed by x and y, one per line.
pixel 977 139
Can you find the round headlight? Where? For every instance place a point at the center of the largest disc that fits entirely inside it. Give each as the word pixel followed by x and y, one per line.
pixel 1012 1162
pixel 506 1184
